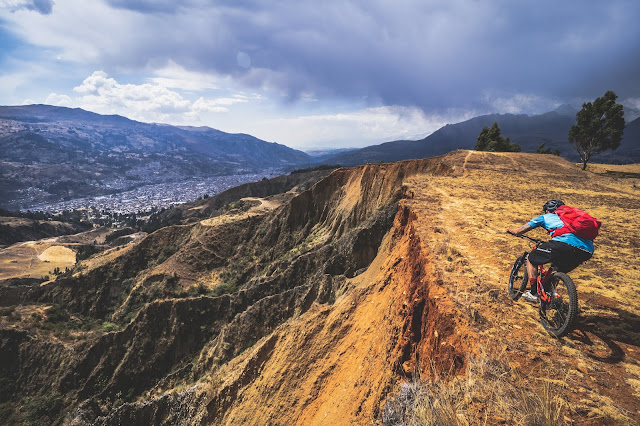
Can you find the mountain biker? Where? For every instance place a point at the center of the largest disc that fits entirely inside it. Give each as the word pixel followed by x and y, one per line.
pixel 565 251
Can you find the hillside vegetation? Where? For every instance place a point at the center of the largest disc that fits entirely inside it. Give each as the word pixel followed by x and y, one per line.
pixel 377 295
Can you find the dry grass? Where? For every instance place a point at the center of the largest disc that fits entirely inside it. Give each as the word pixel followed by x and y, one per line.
pixel 250 207
pixel 58 254
pixel 34 259
pixel 463 221
pixel 491 392
pixel 104 257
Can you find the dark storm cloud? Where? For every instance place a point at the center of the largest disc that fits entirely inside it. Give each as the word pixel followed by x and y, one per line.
pixel 43 6
pixel 435 54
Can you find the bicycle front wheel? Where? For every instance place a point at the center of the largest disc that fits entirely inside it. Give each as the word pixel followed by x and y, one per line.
pixel 557 316
pixel 518 278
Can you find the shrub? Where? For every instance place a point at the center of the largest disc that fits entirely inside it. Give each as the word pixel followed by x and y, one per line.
pixel 197 290
pixel 166 253
pixel 6 389
pixel 7 312
pixel 6 412
pixel 42 409
pixel 109 327
pixel 56 314
pixel 128 282
pixel 542 150
pixel 223 288
pixel 86 251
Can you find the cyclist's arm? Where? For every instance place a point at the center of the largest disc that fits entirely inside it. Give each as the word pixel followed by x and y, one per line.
pixel 523 229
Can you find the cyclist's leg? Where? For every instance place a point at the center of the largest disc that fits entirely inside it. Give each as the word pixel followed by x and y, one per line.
pixel 544 253
pixel 532 273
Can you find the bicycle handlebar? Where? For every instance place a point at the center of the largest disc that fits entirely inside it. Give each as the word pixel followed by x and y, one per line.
pixel 535 240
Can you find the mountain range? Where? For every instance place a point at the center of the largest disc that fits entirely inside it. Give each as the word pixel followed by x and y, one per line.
pixel 551 128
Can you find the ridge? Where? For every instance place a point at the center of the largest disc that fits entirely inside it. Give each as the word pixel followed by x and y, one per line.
pixel 321 307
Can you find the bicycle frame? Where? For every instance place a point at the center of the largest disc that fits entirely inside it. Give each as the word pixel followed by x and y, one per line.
pixel 557 296
pixel 543 273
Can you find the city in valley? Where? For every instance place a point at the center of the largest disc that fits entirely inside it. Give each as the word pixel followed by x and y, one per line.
pixel 152 197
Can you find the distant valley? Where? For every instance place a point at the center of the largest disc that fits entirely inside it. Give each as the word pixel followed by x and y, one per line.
pixel 51 154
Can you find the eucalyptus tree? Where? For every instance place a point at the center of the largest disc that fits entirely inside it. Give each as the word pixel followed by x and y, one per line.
pixel 599 127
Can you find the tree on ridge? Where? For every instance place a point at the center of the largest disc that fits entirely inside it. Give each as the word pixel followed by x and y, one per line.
pixel 599 127
pixel 490 139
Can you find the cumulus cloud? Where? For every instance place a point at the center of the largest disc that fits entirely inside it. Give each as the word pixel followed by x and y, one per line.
pixel 146 102
pixel 44 7
pixel 152 102
pixel 58 100
pixel 101 90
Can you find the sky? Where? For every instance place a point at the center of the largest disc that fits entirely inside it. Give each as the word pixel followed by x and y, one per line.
pixel 318 74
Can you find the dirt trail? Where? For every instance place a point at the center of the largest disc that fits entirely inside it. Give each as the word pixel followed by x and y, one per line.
pixel 465 172
pixel 466 217
pixel 264 207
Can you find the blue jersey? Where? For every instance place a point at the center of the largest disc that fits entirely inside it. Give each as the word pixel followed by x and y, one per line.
pixel 551 221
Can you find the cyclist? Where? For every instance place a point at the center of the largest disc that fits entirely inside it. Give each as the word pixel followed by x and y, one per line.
pixel 565 251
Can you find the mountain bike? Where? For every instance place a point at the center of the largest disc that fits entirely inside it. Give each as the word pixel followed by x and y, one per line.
pixel 558 298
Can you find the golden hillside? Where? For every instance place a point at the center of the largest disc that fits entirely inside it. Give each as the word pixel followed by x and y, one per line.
pixel 376 296
pixel 436 295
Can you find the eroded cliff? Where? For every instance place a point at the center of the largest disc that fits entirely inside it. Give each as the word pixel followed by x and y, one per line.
pixel 313 308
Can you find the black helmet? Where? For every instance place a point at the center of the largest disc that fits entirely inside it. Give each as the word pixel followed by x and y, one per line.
pixel 551 205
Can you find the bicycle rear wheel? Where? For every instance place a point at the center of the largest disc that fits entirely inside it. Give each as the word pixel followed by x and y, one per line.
pixel 557 316
pixel 518 278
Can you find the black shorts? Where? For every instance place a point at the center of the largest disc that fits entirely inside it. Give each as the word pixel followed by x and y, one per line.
pixel 565 257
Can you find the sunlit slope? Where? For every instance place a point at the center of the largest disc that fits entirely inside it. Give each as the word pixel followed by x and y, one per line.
pixel 315 308
pixel 466 214
pixel 435 300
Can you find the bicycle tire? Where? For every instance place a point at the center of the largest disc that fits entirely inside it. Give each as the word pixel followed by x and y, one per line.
pixel 518 278
pixel 558 316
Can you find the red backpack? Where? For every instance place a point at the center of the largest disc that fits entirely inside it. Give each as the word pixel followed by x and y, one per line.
pixel 577 222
